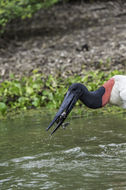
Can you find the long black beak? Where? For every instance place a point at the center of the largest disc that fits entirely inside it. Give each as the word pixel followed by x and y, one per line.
pixel 65 108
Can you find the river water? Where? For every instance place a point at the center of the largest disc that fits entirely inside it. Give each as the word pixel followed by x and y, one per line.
pixel 89 154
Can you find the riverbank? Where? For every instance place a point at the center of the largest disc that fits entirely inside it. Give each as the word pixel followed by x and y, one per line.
pixel 66 40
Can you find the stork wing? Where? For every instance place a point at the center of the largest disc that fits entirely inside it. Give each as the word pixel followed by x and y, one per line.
pixel 123 95
pixel 123 98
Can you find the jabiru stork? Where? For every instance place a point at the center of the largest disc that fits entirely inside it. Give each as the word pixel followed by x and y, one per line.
pixel 113 91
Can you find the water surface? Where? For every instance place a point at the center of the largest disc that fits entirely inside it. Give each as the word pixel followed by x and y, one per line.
pixel 89 154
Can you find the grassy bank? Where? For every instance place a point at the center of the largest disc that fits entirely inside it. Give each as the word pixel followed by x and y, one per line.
pixel 38 91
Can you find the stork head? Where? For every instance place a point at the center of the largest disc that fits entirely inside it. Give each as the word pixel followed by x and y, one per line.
pixel 73 94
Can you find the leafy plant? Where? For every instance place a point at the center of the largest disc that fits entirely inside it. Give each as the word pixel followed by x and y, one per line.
pixel 12 9
pixel 41 91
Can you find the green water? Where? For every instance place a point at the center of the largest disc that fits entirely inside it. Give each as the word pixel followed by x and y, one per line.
pixel 90 154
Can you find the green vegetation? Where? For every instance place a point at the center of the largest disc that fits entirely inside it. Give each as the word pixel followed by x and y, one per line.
pixel 21 9
pixel 13 9
pixel 39 91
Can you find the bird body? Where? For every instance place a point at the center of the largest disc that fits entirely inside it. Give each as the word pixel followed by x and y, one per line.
pixel 118 93
pixel 113 91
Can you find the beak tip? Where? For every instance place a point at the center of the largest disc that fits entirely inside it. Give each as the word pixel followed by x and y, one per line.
pixel 47 128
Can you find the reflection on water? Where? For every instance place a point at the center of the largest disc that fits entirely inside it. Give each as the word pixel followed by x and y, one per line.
pixel 89 154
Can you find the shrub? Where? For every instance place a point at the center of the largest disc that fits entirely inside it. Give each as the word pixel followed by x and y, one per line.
pixel 12 9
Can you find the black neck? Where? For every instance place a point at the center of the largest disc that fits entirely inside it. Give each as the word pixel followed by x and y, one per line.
pixel 92 99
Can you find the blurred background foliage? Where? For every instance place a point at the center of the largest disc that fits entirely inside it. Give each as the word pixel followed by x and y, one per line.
pixel 13 9
pixel 22 9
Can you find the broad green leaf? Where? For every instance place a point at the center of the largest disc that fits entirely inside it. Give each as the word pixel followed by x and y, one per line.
pixel 3 107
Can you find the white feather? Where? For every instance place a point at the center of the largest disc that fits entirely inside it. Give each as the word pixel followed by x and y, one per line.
pixel 118 94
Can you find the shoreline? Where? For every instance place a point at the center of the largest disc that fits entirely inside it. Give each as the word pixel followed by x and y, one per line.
pixel 65 40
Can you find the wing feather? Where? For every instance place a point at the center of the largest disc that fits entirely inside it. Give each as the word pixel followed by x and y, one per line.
pixel 123 95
